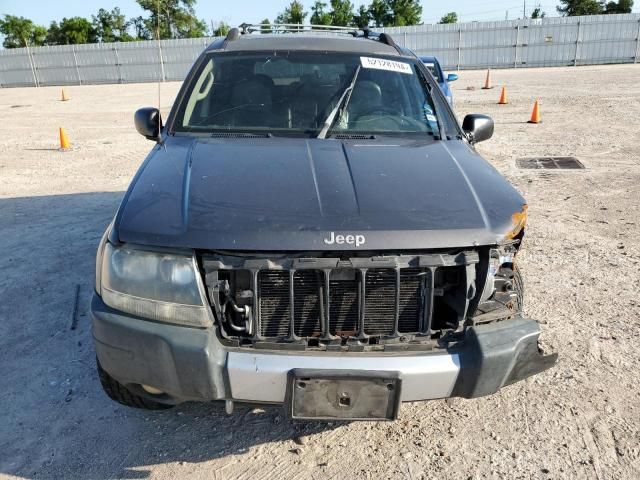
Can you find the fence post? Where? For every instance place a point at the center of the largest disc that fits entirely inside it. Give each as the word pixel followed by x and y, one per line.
pixel 459 48
pixel 33 66
pixel 635 59
pixel 577 50
pixel 515 53
pixel 75 61
pixel 115 50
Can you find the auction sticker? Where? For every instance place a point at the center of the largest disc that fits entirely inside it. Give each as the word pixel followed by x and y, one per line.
pixel 384 64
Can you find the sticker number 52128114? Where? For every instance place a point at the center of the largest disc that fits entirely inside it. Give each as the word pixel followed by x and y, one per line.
pixel 383 64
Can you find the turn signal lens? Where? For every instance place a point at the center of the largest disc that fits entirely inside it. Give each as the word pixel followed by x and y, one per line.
pixel 518 221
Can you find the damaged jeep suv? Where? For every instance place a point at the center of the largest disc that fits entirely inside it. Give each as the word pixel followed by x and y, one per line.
pixel 314 229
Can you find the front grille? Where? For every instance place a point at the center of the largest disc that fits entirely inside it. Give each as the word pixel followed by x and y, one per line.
pixel 336 300
pixel 307 303
pixel 343 303
pixel 381 302
pixel 410 303
pixel 273 295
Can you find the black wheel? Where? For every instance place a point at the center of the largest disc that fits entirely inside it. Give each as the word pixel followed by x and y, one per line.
pixel 518 287
pixel 119 393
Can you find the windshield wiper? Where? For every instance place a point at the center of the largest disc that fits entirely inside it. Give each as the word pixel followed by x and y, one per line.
pixel 236 134
pixel 328 123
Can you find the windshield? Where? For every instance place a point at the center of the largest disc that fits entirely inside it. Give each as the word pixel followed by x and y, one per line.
pixel 296 92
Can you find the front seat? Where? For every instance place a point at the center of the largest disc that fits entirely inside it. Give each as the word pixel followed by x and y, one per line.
pixel 366 96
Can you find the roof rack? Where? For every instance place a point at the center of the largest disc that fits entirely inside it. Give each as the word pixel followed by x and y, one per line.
pixel 292 28
pixel 357 32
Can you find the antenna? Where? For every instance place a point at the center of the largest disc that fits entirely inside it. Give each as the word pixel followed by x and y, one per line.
pixel 161 71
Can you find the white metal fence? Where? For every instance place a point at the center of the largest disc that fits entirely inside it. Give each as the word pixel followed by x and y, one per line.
pixel 543 42
pixel 99 63
pixel 508 44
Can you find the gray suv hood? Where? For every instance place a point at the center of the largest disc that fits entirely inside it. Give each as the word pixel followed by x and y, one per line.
pixel 299 194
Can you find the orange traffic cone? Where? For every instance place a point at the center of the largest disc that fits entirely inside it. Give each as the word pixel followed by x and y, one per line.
pixel 487 81
pixel 535 115
pixel 64 141
pixel 503 97
pixel 64 97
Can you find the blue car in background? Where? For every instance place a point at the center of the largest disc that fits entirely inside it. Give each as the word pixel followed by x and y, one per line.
pixel 434 67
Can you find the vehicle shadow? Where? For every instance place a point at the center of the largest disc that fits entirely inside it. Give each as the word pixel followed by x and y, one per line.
pixel 56 421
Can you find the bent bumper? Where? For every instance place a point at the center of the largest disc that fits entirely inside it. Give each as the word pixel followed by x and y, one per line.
pixel 191 364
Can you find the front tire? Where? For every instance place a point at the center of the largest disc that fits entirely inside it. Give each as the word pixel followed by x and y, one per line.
pixel 119 393
pixel 518 286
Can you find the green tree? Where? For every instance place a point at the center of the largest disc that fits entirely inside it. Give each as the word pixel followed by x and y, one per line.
pixel 319 16
pixel 221 30
pixel 570 8
pixel 71 31
pixel 266 24
pixel 405 12
pixel 362 19
pixel 293 14
pixel 395 13
pixel 176 18
pixel 39 37
pixel 21 32
pixel 622 6
pixel 538 13
pixel 111 26
pixel 451 17
pixel 53 34
pixel 341 13
pixel 380 13
pixel 141 32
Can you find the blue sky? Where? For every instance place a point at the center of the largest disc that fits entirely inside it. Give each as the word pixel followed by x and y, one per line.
pixel 235 12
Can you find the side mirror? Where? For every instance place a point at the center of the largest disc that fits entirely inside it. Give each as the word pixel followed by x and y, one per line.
pixel 452 77
pixel 148 123
pixel 478 127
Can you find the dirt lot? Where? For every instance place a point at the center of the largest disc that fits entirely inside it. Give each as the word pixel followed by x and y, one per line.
pixel 581 265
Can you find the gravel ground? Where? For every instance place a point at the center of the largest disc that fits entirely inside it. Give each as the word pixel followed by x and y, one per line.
pixel 580 262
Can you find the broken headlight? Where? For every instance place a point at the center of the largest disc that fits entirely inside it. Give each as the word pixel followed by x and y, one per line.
pixel 158 286
pixel 498 257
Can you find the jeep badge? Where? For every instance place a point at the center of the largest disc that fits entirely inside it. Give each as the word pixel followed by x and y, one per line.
pixel 334 239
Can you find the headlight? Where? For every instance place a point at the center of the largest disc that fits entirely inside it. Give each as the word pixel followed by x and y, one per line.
pixel 159 286
pixel 497 258
pixel 99 256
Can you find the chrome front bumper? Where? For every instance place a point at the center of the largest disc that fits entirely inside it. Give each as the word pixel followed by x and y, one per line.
pixel 192 364
pixel 263 377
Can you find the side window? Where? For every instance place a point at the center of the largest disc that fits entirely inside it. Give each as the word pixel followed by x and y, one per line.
pixel 434 71
pixel 424 108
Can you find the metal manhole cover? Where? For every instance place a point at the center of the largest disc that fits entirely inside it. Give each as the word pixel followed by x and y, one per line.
pixel 550 163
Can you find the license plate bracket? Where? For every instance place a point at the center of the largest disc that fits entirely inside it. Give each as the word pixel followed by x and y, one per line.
pixel 314 394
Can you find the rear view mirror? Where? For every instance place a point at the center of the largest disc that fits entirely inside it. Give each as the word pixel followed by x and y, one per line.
pixel 148 123
pixel 452 77
pixel 478 127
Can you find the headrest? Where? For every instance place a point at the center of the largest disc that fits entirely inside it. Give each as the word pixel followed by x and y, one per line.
pixel 365 95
